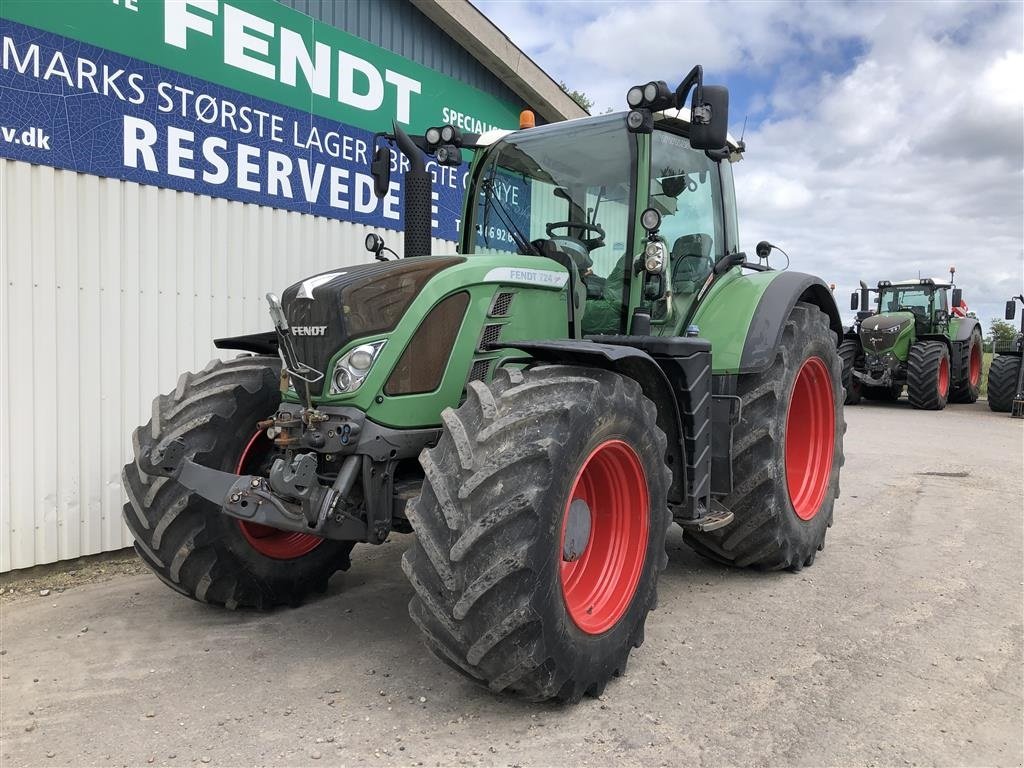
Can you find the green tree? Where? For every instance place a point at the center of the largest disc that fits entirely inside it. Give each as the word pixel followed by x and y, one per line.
pixel 1000 330
pixel 578 96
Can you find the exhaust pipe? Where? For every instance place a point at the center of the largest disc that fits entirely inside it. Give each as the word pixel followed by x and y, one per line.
pixel 417 197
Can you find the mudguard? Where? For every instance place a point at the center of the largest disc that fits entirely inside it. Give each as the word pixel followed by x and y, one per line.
pixel 964 327
pixel 766 325
pixel 257 343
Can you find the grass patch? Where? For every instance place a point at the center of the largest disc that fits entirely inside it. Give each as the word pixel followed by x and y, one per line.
pixel 986 363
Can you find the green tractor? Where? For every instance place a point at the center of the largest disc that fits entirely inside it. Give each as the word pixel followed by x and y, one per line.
pixel 918 336
pixel 598 361
pixel 1006 374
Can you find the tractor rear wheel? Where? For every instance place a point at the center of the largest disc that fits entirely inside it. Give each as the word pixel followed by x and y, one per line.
pixel 1002 382
pixel 185 539
pixel 850 354
pixel 540 531
pixel 969 387
pixel 788 450
pixel 928 375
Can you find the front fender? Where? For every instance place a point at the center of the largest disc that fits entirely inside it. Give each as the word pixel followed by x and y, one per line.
pixel 743 316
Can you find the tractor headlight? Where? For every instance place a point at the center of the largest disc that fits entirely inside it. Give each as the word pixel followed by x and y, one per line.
pixel 351 369
pixel 654 257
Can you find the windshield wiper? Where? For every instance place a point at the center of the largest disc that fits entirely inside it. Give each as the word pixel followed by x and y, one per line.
pixel 522 243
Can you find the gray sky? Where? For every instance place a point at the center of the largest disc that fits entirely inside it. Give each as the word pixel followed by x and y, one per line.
pixel 882 139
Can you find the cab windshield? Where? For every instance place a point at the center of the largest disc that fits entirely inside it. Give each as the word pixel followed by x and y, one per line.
pixel 911 299
pixel 572 188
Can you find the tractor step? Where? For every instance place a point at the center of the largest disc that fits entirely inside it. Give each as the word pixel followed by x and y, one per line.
pixel 1017 409
pixel 717 517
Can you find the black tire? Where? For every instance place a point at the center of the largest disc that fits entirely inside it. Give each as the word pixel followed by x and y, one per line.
pixel 888 394
pixel 850 354
pixel 1002 382
pixel 925 377
pixel 964 390
pixel 487 562
pixel 767 532
pixel 184 538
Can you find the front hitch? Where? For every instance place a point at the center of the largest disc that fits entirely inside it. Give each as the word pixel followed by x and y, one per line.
pixel 255 499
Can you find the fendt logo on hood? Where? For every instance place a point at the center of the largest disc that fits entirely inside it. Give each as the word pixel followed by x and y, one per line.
pixel 309 330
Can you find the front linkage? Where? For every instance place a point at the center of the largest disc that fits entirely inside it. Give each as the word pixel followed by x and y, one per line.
pixel 292 498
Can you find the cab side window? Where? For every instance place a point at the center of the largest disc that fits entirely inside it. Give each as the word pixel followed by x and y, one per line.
pixel 684 188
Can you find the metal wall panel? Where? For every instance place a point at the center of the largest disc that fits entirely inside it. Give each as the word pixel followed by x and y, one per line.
pixel 110 290
pixel 401 28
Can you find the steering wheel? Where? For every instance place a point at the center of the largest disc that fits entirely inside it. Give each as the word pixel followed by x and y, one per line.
pixel 568 226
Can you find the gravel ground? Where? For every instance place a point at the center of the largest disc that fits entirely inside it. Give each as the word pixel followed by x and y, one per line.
pixel 900 646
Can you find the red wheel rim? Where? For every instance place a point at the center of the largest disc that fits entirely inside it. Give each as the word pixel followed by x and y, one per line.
pixel 599 586
pixel 975 365
pixel 810 438
pixel 271 542
pixel 943 383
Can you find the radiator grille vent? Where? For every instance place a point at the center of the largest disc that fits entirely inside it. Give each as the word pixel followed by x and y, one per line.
pixel 501 304
pixel 489 336
pixel 479 370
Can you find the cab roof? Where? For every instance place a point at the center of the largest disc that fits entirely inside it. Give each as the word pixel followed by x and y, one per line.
pixel 673 117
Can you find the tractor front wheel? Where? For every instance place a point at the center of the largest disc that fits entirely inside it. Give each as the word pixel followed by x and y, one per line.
pixel 1002 382
pixel 788 450
pixel 540 531
pixel 186 540
pixel 928 376
pixel 968 387
pixel 850 354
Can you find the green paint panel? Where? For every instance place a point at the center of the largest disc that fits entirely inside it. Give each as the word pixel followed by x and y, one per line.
pixel 365 91
pixel 724 315
pixel 536 313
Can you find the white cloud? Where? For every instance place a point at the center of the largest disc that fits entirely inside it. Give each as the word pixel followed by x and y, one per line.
pixel 905 155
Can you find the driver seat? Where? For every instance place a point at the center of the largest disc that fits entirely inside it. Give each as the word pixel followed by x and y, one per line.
pixel 691 262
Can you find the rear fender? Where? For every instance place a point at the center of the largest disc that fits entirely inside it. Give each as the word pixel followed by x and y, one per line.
pixel 743 316
pixel 769 319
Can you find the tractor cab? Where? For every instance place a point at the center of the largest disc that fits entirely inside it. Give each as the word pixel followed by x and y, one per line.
pixel 640 220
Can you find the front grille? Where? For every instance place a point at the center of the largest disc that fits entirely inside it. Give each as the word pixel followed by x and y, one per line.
pixel 501 304
pixel 479 370
pixel 490 334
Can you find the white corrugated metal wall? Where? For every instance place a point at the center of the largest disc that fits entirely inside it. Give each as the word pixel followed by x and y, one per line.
pixel 110 289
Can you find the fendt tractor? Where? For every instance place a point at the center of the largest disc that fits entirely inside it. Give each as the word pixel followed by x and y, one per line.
pixel 1006 374
pixel 537 414
pixel 913 338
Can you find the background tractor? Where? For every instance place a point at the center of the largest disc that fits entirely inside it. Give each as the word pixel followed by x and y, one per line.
pixel 1006 374
pixel 597 361
pixel 918 336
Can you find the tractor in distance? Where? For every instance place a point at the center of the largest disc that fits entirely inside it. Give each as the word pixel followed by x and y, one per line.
pixel 917 335
pixel 596 361
pixel 1006 374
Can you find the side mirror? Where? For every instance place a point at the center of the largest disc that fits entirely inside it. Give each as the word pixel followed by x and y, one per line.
pixel 958 297
pixel 854 300
pixel 1011 309
pixel 380 169
pixel 709 120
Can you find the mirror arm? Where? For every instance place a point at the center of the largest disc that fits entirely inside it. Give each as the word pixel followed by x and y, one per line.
pixel 696 76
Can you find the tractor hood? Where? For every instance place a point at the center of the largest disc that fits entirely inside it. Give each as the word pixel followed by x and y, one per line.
pixel 328 310
pixel 881 332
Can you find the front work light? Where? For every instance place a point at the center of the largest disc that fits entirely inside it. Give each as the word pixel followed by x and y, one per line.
pixel 655 257
pixel 640 121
